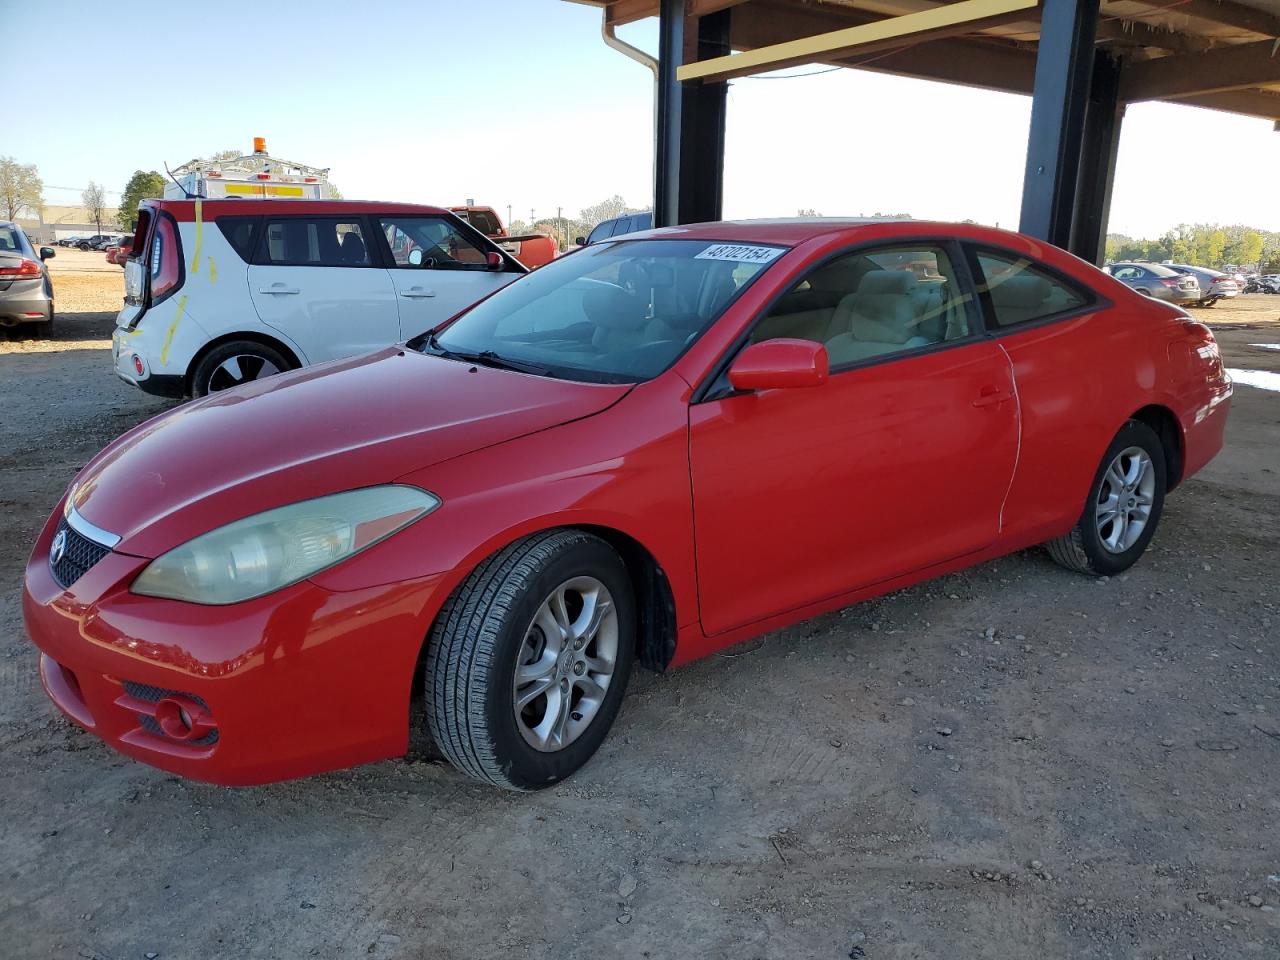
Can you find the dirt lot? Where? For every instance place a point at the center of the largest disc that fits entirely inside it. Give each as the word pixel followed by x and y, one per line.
pixel 1011 762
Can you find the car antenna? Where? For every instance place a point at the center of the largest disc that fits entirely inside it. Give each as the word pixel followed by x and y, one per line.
pixel 188 193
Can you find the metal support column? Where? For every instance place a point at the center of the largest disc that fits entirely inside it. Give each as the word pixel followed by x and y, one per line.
pixel 701 189
pixel 1098 149
pixel 1064 65
pixel 667 152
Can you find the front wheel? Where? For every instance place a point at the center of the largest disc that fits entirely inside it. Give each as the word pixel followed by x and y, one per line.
pixel 529 659
pixel 1123 507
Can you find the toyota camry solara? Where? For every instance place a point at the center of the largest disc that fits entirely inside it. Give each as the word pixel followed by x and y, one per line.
pixel 640 453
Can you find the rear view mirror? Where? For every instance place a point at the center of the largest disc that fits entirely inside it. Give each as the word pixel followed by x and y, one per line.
pixel 47 252
pixel 776 364
pixel 415 257
pixel 494 260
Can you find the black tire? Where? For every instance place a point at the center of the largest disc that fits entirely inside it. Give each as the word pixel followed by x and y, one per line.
pixel 1144 292
pixel 205 377
pixel 44 328
pixel 1082 549
pixel 477 639
pixel 82 246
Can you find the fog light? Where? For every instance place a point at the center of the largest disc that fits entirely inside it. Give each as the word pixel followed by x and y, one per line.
pixel 182 719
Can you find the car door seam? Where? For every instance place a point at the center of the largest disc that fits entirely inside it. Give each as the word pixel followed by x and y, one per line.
pixel 1017 450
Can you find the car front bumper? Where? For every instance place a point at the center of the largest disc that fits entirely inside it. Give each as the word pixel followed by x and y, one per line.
pixel 299 682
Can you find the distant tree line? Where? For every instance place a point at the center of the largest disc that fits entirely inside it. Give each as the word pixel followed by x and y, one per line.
pixel 1205 245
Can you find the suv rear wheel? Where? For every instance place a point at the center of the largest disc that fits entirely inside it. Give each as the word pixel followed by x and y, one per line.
pixel 231 364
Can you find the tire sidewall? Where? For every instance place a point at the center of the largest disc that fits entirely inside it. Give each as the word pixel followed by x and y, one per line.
pixel 526 767
pixel 1103 561
pixel 207 364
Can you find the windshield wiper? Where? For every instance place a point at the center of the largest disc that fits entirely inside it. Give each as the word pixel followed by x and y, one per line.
pixel 486 358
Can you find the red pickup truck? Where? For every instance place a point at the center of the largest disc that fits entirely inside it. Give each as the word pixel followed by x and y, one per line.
pixel 118 253
pixel 531 249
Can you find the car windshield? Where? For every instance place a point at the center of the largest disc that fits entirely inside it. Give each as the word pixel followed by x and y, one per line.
pixel 1160 270
pixel 9 239
pixel 617 312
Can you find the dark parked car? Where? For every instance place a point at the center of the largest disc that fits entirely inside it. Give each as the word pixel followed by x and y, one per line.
pixel 1158 281
pixel 627 223
pixel 26 293
pixel 1214 284
pixel 95 242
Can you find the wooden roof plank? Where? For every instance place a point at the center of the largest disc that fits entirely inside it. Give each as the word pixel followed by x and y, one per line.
pixel 964 16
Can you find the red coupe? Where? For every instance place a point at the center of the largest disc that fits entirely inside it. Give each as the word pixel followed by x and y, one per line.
pixel 642 452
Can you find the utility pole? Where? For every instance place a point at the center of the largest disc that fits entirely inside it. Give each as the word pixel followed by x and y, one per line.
pixel 531 218
pixel 508 216
pixel 560 227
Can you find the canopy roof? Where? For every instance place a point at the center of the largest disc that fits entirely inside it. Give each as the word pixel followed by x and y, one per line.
pixel 1220 54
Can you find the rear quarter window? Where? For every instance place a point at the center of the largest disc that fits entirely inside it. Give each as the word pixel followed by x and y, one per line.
pixel 241 233
pixel 1018 291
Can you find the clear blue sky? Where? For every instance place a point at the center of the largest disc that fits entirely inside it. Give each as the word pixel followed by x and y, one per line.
pixel 520 102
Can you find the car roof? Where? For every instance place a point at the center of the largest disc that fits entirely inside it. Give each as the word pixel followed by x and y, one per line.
pixel 184 210
pixel 791 231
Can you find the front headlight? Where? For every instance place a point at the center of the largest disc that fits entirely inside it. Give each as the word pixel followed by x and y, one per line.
pixel 270 550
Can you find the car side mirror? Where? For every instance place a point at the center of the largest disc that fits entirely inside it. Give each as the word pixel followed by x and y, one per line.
pixel 494 260
pixel 580 241
pixel 47 252
pixel 781 363
pixel 415 257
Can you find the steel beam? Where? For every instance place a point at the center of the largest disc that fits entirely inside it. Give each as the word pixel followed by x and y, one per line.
pixel 1099 146
pixel 1064 64
pixel 1250 103
pixel 701 188
pixel 1234 67
pixel 667 149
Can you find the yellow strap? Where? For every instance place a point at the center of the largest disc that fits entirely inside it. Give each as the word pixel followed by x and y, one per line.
pixel 195 257
pixel 168 337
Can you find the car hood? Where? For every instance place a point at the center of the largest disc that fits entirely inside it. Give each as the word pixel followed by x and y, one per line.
pixel 308 433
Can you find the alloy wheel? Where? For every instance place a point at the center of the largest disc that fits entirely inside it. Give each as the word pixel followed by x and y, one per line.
pixel 1125 497
pixel 565 664
pixel 239 369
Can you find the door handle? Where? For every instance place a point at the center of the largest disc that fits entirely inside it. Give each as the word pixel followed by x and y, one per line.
pixel 279 288
pixel 417 293
pixel 990 396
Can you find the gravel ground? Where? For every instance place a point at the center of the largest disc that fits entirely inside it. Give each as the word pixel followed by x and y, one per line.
pixel 1009 762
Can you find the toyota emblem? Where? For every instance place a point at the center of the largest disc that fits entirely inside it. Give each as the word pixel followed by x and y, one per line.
pixel 58 548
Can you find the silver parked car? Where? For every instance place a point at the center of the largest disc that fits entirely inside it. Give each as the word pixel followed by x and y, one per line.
pixel 26 293
pixel 1214 284
pixel 1158 281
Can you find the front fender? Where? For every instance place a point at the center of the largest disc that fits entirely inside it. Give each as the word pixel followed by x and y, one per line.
pixel 625 469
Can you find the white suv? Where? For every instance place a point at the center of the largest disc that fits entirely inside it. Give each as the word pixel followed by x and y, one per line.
pixel 221 292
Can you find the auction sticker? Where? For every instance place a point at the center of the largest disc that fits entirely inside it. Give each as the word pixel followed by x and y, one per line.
pixel 740 253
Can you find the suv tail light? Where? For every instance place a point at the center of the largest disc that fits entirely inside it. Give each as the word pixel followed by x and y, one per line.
pixel 27 268
pixel 165 262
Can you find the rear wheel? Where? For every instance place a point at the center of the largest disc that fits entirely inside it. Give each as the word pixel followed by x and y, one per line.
pixel 1144 292
pixel 529 659
pixel 1123 507
pixel 235 363
pixel 44 329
